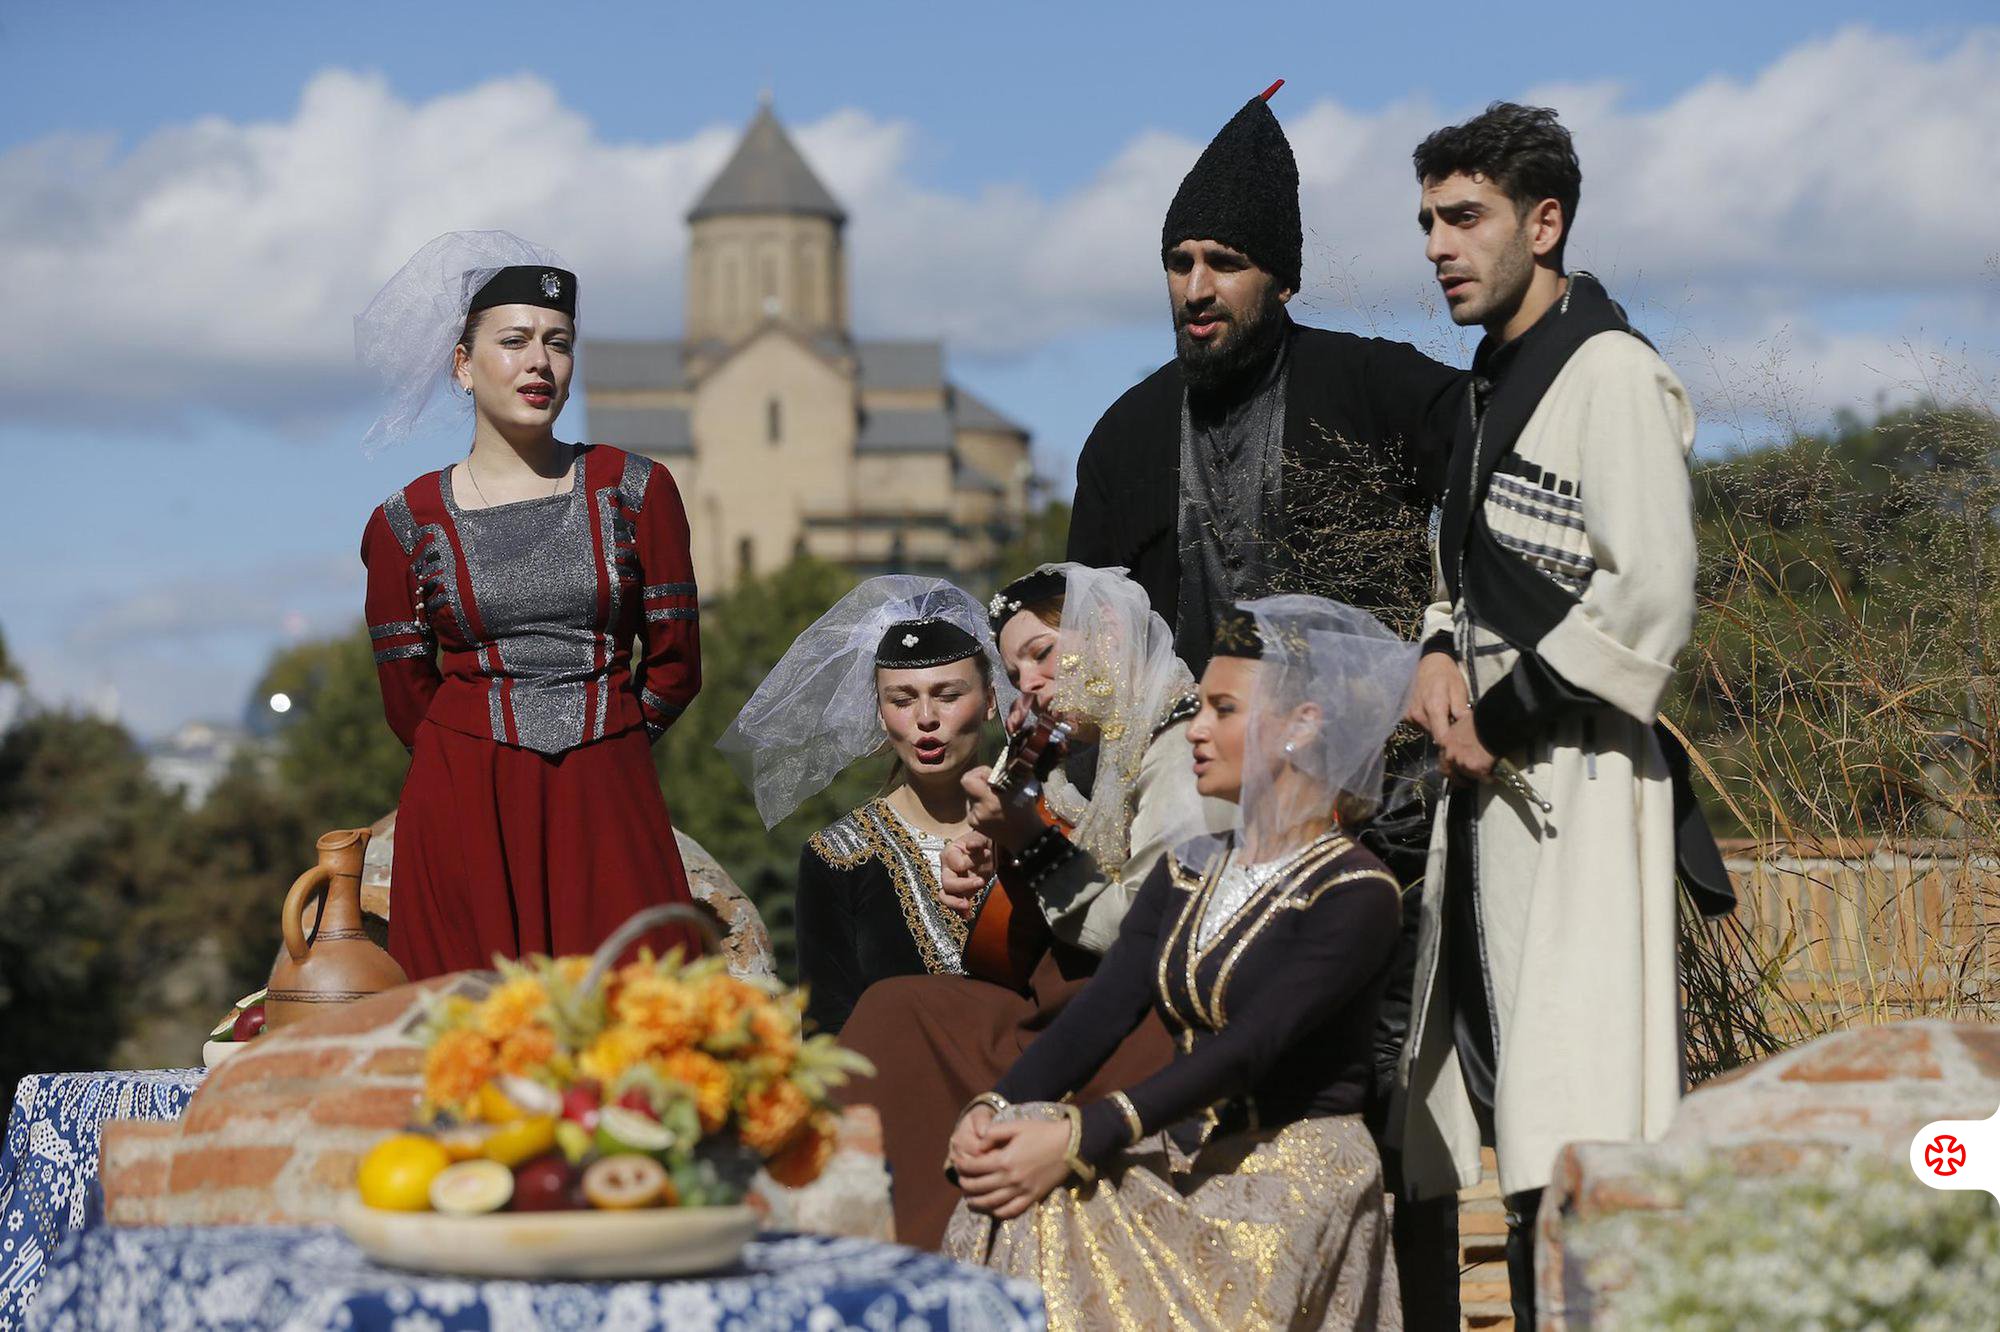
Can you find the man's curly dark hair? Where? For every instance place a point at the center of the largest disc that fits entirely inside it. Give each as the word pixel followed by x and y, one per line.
pixel 1522 149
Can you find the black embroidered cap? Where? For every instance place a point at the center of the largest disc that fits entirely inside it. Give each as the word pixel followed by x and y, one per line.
pixel 528 284
pixel 1043 584
pixel 932 641
pixel 1244 191
pixel 1237 635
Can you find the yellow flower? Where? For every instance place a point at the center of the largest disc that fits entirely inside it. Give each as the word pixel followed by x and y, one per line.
pixel 615 1050
pixel 707 1077
pixel 456 1066
pixel 804 1159
pixel 527 1049
pixel 772 1116
pixel 662 1008
pixel 724 1002
pixel 572 970
pixel 776 1029
pixel 512 1006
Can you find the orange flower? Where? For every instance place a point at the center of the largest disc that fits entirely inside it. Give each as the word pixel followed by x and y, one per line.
pixel 510 1007
pixel 616 1049
pixel 662 1008
pixel 804 1159
pixel 527 1049
pixel 724 1001
pixel 572 970
pixel 708 1078
pixel 456 1066
pixel 776 1029
pixel 772 1116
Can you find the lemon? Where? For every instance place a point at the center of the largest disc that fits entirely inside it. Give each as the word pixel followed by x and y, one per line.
pixel 520 1140
pixel 396 1174
pixel 472 1188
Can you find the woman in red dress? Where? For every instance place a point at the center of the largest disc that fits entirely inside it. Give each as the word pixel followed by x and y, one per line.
pixel 504 595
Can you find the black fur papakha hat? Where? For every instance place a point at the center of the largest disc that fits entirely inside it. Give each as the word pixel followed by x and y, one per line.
pixel 931 641
pixel 1244 192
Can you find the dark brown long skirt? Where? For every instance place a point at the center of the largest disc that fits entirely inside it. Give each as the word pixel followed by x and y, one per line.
pixel 938 1041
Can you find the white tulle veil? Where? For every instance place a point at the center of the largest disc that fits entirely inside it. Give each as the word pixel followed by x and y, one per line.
pixel 816 712
pixel 1330 683
pixel 406 334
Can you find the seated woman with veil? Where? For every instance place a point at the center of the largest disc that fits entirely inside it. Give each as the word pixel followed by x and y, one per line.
pixel 1237 1187
pixel 901 663
pixel 1087 651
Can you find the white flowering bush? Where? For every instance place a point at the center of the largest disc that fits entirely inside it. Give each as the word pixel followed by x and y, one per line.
pixel 1857 1245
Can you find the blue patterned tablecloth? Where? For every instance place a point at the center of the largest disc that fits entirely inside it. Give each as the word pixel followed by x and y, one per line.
pixel 48 1168
pixel 300 1278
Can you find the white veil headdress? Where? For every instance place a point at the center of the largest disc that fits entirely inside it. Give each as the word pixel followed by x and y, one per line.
pixel 816 712
pixel 1116 666
pixel 1311 655
pixel 406 334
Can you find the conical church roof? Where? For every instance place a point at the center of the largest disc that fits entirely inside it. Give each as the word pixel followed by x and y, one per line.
pixel 766 174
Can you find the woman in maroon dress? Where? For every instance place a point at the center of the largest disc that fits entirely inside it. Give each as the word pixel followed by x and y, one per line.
pixel 504 595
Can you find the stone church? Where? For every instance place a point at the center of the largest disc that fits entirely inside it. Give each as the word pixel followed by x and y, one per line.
pixel 785 433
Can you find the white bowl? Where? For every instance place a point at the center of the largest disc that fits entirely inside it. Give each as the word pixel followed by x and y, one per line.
pixel 214 1052
pixel 582 1245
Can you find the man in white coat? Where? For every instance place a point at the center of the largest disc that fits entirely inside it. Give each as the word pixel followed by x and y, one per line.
pixel 1547 1008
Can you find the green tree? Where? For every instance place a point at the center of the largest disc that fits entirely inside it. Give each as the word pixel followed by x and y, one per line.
pixel 90 850
pixel 743 635
pixel 335 753
pixel 1045 540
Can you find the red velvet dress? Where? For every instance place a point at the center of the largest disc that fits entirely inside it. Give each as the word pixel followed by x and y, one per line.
pixel 531 820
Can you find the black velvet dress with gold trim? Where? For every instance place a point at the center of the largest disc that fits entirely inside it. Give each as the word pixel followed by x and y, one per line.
pixel 1236 1187
pixel 868 908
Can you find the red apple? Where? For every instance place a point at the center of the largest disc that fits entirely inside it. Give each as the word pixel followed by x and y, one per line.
pixel 582 1102
pixel 249 1022
pixel 636 1099
pixel 547 1184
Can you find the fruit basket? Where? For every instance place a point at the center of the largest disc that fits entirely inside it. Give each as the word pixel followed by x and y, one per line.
pixel 589 1121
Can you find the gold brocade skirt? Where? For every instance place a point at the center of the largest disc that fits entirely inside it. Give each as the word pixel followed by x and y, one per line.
pixel 1278 1228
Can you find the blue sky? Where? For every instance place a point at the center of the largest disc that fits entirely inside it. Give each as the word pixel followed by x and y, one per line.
pixel 196 197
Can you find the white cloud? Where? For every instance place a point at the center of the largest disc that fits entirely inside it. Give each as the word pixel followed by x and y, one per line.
pixel 216 265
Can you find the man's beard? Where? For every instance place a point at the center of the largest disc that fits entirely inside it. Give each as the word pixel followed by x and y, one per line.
pixel 1210 368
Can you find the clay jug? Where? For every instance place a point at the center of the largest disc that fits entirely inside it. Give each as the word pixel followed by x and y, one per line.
pixel 337 962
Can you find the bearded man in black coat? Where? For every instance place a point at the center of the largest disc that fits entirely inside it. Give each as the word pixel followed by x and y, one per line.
pixel 1271 457
pixel 1234 470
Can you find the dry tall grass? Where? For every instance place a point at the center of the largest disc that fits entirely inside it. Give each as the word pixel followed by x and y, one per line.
pixel 1843 700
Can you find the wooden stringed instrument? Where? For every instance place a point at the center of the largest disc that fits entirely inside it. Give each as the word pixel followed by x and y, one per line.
pixel 1009 935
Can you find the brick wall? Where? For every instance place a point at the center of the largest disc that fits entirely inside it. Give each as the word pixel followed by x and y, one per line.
pixel 275 1134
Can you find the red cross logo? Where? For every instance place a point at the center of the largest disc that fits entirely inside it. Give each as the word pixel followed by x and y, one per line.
pixel 1945 1154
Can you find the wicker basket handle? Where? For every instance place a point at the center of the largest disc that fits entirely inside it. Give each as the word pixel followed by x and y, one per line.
pixel 622 937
